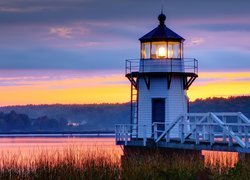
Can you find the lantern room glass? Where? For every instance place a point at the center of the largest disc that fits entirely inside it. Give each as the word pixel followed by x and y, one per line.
pixel 161 50
pixel 145 50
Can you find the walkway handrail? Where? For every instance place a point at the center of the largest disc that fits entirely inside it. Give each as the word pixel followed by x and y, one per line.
pixel 244 118
pixel 194 128
pixel 124 132
pixel 166 132
pixel 232 134
pixel 205 125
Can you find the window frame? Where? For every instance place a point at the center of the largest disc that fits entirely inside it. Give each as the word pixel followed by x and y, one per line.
pixel 179 53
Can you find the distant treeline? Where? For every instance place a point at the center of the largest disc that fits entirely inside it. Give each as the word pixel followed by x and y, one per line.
pixel 96 117
pixel 14 122
pixel 232 104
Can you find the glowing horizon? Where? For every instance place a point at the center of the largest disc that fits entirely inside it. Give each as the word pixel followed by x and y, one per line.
pixel 97 87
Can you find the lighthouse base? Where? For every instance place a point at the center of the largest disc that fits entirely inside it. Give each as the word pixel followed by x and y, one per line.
pixel 130 151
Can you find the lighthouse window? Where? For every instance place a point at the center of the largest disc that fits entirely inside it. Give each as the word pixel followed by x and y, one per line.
pixel 174 50
pixel 159 50
pixel 145 51
pixel 170 50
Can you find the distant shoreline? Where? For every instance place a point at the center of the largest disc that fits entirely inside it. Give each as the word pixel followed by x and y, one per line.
pixel 56 134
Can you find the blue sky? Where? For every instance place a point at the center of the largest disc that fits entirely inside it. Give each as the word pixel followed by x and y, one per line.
pixel 96 34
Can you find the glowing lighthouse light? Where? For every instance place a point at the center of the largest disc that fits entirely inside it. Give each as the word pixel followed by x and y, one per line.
pixel 162 52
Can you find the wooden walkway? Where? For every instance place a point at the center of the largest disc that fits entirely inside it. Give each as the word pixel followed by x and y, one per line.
pixel 197 131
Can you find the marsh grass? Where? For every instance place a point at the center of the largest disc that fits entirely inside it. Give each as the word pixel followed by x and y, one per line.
pixel 77 162
pixel 74 162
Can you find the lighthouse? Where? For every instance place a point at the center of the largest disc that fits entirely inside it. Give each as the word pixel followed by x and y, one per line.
pixel 159 80
pixel 160 113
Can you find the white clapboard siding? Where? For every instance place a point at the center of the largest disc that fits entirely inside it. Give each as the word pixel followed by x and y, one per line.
pixel 175 101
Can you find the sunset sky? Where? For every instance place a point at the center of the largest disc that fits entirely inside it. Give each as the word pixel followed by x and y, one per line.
pixel 73 51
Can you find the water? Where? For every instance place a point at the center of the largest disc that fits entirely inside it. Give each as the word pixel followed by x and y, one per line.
pixel 27 149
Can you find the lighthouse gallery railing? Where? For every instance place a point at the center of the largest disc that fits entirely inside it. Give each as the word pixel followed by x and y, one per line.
pixel 184 65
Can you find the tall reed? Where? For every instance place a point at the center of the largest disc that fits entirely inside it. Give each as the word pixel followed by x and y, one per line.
pixel 80 163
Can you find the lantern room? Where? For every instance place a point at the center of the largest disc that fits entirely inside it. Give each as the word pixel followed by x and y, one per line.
pixel 161 43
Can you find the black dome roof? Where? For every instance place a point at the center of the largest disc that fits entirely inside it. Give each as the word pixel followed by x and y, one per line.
pixel 161 33
pixel 162 18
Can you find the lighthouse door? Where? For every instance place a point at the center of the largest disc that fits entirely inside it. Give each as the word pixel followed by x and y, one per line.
pixel 158 112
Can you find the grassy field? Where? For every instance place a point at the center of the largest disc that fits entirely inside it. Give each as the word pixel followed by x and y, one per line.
pixel 77 164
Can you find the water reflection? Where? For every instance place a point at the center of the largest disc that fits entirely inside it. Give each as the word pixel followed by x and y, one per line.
pixel 28 150
pixel 223 159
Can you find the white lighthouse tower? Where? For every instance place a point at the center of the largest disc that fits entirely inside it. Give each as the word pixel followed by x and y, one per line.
pixel 159 81
pixel 160 114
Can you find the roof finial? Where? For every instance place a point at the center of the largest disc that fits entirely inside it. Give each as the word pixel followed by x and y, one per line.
pixel 162 16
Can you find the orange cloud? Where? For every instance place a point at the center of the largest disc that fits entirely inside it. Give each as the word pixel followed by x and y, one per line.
pixel 69 90
pixel 100 88
pixel 26 95
pixel 220 84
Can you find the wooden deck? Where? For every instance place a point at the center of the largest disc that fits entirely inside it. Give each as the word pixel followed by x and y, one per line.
pixel 174 144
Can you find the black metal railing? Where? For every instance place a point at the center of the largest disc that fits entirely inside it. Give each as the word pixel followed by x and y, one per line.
pixel 185 65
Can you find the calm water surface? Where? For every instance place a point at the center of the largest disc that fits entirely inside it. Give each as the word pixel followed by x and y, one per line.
pixel 26 149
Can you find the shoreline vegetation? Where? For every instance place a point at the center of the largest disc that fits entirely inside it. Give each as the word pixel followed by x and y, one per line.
pixel 95 117
pixel 77 162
